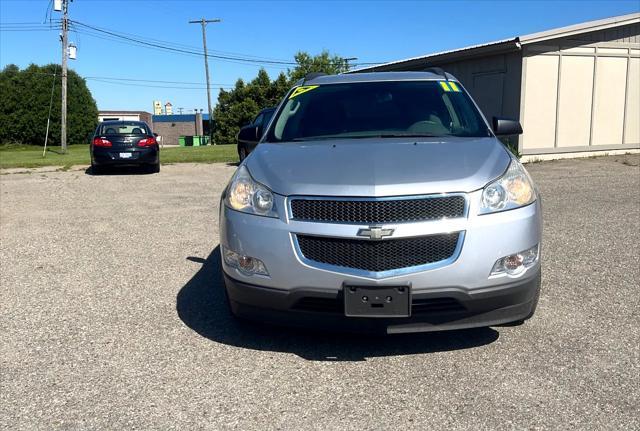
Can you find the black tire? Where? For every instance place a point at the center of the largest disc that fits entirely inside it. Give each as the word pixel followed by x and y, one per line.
pixel 242 153
pixel 96 170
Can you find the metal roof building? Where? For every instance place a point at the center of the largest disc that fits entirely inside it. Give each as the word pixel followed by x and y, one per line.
pixel 575 89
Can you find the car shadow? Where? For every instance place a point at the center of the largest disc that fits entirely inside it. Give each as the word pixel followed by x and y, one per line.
pixel 120 170
pixel 201 305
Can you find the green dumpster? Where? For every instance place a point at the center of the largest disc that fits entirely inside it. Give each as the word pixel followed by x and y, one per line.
pixel 196 141
pixel 181 141
pixel 206 140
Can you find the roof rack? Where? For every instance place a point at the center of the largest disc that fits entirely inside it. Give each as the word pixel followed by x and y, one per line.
pixel 437 71
pixel 312 75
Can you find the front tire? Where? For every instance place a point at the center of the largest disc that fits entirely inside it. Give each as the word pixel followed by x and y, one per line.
pixel 242 153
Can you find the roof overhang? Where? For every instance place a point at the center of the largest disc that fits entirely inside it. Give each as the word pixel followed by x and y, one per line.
pixel 502 46
pixel 417 63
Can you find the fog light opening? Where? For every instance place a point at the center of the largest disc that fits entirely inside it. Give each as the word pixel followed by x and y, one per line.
pixel 247 265
pixel 516 264
pixel 513 263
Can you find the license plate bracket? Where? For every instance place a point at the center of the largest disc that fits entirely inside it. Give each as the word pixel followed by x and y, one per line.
pixel 377 301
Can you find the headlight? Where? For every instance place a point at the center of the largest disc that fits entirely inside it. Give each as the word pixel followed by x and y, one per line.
pixel 513 190
pixel 246 195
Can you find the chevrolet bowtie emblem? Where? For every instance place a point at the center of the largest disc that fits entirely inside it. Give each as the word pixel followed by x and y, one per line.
pixel 375 232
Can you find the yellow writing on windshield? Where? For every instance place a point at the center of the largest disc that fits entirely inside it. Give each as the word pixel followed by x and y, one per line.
pixel 303 89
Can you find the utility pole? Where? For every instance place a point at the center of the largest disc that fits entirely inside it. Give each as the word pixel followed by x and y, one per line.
pixel 204 23
pixel 63 113
pixel 347 60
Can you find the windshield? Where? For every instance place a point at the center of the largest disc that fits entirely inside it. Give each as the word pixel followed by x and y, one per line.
pixel 377 109
pixel 123 129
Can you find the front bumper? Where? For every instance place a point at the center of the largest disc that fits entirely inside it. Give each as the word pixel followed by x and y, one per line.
pixel 476 298
pixel 436 310
pixel 137 156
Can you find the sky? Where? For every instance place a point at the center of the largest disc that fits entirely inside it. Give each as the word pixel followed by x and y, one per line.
pixel 123 75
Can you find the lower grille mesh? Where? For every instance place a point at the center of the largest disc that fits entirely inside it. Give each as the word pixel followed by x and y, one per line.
pixel 379 256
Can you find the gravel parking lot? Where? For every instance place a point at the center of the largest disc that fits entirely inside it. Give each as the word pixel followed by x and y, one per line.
pixel 112 317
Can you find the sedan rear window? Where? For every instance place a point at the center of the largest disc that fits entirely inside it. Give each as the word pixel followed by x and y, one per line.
pixel 377 109
pixel 124 129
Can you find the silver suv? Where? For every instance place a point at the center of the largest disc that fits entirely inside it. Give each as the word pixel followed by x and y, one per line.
pixel 382 202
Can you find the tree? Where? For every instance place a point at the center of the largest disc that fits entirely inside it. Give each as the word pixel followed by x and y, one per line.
pixel 324 62
pixel 26 95
pixel 239 106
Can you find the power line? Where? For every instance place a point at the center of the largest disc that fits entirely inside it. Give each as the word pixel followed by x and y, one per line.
pixel 96 35
pixel 135 80
pixel 190 47
pixel 130 84
pixel 187 51
pixel 153 80
pixel 101 33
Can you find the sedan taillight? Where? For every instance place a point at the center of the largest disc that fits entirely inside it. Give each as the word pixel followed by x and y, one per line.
pixel 147 142
pixel 101 142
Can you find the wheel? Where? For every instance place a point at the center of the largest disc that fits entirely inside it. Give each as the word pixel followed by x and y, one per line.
pixel 96 170
pixel 242 153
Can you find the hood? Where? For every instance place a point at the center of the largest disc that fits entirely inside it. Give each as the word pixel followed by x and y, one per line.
pixel 378 167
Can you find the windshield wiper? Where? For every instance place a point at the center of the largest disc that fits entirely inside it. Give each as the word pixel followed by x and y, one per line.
pixel 407 135
pixel 379 135
pixel 313 138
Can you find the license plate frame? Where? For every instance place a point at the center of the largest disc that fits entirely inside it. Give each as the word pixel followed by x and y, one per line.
pixel 381 301
pixel 125 155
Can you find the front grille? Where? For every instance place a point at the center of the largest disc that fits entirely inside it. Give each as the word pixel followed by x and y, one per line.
pixel 377 256
pixel 378 211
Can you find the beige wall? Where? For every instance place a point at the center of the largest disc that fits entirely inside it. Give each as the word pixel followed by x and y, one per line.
pixel 538 115
pixel 580 96
pixel 632 117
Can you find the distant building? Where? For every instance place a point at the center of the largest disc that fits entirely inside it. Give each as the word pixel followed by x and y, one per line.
pixel 171 127
pixel 574 89
pixel 157 107
pixel 168 108
pixel 126 116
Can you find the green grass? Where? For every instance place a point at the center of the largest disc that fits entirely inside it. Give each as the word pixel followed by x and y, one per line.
pixel 30 156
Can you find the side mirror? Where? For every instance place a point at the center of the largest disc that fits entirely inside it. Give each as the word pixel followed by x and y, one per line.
pixel 248 134
pixel 259 130
pixel 506 126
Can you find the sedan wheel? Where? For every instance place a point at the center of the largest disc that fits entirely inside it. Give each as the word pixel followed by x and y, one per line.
pixel 242 152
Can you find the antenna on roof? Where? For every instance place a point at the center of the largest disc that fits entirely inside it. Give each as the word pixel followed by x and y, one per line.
pixel 437 71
